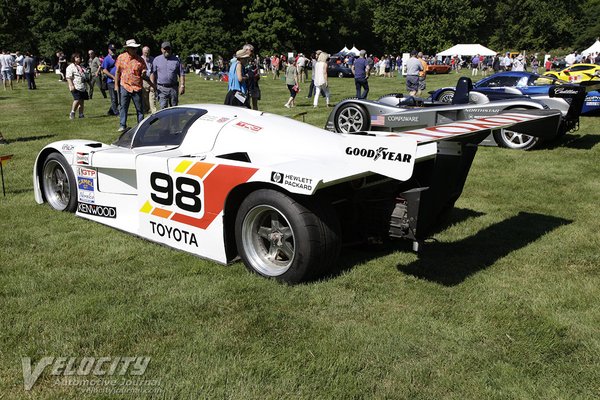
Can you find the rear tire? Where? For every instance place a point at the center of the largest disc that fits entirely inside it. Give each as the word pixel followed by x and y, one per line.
pixel 515 140
pixel 351 118
pixel 279 237
pixel 58 183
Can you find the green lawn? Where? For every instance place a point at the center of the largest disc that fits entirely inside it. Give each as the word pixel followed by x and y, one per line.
pixel 502 304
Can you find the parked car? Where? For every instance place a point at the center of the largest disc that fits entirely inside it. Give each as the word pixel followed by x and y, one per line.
pixel 438 69
pixel 396 113
pixel 578 73
pixel 339 70
pixel 221 182
pixel 516 83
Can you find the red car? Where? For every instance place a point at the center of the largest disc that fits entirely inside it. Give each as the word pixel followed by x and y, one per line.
pixel 438 69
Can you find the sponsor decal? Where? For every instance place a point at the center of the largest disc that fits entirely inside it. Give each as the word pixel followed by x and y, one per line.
pixel 87 196
pixel 377 120
pixel 483 110
pixel 68 147
pixel 82 158
pixel 292 180
pixel 195 192
pixel 176 234
pixel 563 90
pixel 380 153
pixel 91 173
pixel 250 127
pixel 97 210
pixel 222 120
pixel 85 183
pixel 207 117
pixel 402 118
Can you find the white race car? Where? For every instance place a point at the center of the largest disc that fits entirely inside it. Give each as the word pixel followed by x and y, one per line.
pixel 222 182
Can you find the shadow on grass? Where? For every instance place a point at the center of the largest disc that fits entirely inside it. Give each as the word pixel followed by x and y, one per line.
pixel 30 138
pixel 450 264
pixel 354 255
pixel 580 142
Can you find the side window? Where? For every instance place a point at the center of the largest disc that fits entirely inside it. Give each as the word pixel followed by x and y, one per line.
pixel 166 128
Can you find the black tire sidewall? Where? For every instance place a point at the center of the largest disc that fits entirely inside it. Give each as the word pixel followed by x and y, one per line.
pixel 307 235
pixel 72 205
pixel 365 115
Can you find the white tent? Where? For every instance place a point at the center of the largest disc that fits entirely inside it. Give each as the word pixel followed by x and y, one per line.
pixel 467 50
pixel 354 51
pixel 595 48
pixel 343 51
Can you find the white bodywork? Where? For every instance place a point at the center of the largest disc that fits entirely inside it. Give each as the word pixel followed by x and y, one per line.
pixel 176 195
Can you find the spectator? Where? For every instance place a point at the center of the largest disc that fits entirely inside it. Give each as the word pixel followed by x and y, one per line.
pixel 19 60
pixel 148 92
pixel 291 80
pixel 62 65
pixel 475 65
pixel 507 62
pixel 253 88
pixel 535 64
pixel 29 70
pixel 6 63
pixel 360 69
pixel 496 64
pixel 518 64
pixel 168 75
pixel 75 76
pixel 413 68
pixel 237 94
pixel 109 69
pixel 275 66
pixel 422 74
pixel 548 63
pixel 95 73
pixel 321 81
pixel 301 63
pixel 131 71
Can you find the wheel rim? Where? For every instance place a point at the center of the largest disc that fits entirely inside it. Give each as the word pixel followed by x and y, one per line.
pixel 350 120
pixel 446 97
pixel 269 240
pixel 516 140
pixel 56 185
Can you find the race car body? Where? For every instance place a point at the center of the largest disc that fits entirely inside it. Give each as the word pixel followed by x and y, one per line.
pixel 514 84
pixel 222 182
pixel 587 74
pixel 394 113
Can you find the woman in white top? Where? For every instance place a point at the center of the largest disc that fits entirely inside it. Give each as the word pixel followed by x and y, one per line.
pixel 76 79
pixel 320 79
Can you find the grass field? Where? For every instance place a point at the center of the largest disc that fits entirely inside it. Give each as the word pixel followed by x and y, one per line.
pixel 502 304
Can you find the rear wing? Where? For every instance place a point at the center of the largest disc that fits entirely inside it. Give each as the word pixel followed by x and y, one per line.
pixel 575 96
pixel 538 123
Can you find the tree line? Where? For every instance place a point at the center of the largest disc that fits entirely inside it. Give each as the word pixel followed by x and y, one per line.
pixel 279 26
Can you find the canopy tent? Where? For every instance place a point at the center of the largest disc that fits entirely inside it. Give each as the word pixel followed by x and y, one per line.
pixel 467 50
pixel 595 48
pixel 354 51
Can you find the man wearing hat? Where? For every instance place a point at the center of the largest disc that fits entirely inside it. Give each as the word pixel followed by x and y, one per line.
pixel 131 71
pixel 109 69
pixel 169 77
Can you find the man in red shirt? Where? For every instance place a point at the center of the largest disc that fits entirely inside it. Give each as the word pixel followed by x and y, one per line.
pixel 131 71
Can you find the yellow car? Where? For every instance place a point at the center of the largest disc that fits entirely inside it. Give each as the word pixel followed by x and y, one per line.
pixel 578 73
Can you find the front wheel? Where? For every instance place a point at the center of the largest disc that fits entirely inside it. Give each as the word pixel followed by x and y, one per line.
pixel 281 238
pixel 58 183
pixel 446 96
pixel 340 74
pixel 351 118
pixel 515 140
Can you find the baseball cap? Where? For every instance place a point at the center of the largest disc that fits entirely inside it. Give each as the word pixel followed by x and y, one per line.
pixel 165 45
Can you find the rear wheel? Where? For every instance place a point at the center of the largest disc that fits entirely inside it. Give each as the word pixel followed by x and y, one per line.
pixel 351 118
pixel 279 237
pixel 340 74
pixel 58 183
pixel 515 140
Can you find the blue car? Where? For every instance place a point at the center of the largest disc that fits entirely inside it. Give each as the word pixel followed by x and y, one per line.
pixel 518 83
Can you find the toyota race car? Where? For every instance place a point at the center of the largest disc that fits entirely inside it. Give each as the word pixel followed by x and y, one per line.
pixel 222 182
pixel 395 113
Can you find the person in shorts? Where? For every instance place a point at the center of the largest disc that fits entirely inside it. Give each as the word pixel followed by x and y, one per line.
pixel 75 75
pixel 413 67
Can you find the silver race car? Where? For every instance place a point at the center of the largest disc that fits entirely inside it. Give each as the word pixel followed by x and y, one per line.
pixel 396 113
